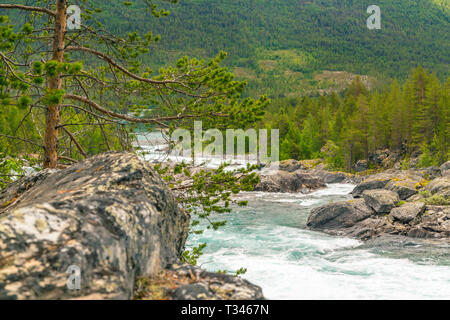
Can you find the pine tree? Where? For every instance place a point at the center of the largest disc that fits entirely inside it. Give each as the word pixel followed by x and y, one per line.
pixel 357 88
pixel 115 88
pixel 433 105
pixel 443 126
pixel 395 105
pixel 361 126
pixel 419 108
pixel 337 126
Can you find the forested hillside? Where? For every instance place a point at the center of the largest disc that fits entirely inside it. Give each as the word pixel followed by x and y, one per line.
pixel 294 50
pixel 278 45
pixel 282 46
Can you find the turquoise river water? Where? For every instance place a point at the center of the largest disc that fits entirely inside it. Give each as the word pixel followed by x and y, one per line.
pixel 269 238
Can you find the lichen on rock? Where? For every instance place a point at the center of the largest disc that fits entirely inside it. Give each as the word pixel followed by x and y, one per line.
pixel 292 182
pixel 110 215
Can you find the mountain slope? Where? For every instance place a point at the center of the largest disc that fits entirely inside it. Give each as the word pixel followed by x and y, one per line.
pixel 334 32
pixel 282 46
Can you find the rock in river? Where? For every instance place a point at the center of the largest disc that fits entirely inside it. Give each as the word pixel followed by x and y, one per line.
pixel 339 215
pixel 407 212
pixel 381 194
pixel 380 200
pixel 282 181
pixel 404 188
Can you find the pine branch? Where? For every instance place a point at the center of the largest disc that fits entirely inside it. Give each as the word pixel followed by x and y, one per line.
pixel 77 144
pixel 28 8
pixel 163 83
pixel 139 120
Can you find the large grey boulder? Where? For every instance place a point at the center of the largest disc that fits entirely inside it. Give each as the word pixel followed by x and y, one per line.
pixel 445 169
pixel 370 184
pixel 439 186
pixel 402 182
pixel 338 215
pixel 361 165
pixel 333 177
pixel 382 201
pixel 407 212
pixel 111 217
pixel 290 165
pixel 282 181
pixel 404 188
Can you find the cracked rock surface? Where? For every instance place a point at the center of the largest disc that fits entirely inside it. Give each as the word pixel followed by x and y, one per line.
pixel 110 215
pixel 395 203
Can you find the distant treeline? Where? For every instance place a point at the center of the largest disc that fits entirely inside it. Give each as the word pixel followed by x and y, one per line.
pixel 334 32
pixel 346 128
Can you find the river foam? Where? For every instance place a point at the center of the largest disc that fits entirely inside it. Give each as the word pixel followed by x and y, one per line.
pixel 268 237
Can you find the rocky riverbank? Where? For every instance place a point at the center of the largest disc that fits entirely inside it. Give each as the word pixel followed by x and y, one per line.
pixel 300 177
pixel 111 221
pixel 413 203
pixel 292 182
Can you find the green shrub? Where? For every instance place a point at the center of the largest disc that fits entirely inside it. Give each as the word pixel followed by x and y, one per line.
pixel 405 164
pixel 437 200
pixel 400 203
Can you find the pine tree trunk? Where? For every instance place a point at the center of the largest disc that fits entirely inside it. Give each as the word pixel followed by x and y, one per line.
pixel 350 159
pixel 52 115
pixel 366 146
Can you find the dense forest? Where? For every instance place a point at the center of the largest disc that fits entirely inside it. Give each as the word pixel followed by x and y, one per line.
pixel 280 46
pixel 344 128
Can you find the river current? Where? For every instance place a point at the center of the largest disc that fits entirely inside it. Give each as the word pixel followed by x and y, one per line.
pixel 269 238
